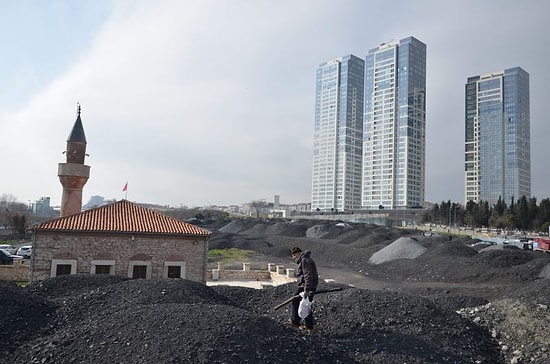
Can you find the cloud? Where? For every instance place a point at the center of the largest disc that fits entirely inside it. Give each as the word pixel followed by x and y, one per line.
pixel 213 102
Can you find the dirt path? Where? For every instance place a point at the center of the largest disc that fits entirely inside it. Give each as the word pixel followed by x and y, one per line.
pixel 362 281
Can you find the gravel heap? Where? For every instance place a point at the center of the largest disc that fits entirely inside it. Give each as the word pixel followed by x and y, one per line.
pixel 97 318
pixel 402 248
pixel 449 304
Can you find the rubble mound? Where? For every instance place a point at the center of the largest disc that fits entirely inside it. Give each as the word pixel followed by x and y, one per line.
pixel 454 248
pixel 23 316
pixel 428 300
pixel 318 231
pixel 108 319
pixel 402 248
pixel 234 226
pixel 545 272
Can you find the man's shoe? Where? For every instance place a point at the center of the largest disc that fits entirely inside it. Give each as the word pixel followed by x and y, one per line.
pixel 293 324
pixel 305 328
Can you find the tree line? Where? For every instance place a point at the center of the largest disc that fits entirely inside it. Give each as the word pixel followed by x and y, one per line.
pixel 524 214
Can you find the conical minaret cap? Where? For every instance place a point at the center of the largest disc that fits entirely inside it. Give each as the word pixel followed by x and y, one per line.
pixel 77 134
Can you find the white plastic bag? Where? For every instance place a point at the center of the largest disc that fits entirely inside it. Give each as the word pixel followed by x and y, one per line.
pixel 305 307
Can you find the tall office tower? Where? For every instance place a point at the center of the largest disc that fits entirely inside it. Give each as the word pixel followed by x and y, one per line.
pixel 338 135
pixel 498 146
pixel 394 132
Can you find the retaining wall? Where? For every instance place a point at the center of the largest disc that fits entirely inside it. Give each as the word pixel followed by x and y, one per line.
pixel 276 273
pixel 18 272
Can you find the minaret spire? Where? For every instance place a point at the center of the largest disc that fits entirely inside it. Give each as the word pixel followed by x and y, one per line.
pixel 73 174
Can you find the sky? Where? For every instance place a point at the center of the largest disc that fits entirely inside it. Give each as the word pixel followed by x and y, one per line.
pixel 211 102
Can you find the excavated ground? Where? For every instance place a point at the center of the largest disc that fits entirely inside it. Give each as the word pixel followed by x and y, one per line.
pixel 405 298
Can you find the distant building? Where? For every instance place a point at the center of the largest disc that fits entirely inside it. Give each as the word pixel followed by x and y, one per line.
pixel 41 207
pixel 394 133
pixel 259 208
pixel 338 135
pixel 498 146
pixel 95 201
pixel 264 209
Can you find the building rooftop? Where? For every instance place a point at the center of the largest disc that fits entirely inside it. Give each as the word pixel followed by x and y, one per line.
pixel 121 217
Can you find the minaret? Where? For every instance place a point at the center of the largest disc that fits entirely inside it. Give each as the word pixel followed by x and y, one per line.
pixel 73 174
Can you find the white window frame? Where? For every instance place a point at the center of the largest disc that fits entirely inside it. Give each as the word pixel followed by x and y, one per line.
pixel 133 263
pixel 56 262
pixel 174 264
pixel 110 263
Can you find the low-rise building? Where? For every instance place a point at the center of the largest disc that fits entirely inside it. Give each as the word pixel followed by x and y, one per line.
pixel 122 238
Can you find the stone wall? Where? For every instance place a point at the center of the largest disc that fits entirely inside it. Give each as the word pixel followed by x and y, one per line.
pixel 155 251
pixel 18 272
pixel 275 273
pixel 280 274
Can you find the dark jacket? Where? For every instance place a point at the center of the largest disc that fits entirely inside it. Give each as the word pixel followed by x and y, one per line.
pixel 307 272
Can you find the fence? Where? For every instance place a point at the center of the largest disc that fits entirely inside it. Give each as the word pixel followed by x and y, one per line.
pixel 276 273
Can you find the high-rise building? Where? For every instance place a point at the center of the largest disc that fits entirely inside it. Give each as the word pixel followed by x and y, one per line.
pixel 338 135
pixel 42 207
pixel 498 146
pixel 394 132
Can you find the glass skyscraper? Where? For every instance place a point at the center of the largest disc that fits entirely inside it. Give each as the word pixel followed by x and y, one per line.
pixel 394 132
pixel 498 146
pixel 338 135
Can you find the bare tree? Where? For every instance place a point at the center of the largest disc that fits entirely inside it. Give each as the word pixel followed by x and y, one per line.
pixel 9 207
pixel 6 200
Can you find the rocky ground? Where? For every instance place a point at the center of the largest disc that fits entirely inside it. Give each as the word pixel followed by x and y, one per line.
pixel 405 298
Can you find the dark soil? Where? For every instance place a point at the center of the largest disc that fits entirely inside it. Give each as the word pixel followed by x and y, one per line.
pixel 451 304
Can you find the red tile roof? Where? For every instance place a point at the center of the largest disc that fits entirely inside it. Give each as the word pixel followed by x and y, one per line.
pixel 121 217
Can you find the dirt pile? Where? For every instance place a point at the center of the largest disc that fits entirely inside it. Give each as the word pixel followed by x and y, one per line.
pixel 402 248
pixel 521 327
pixel 108 319
pixel 449 304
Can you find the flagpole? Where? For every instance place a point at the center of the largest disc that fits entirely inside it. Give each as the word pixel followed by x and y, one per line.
pixel 125 190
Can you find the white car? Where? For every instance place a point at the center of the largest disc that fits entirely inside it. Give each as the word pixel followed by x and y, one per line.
pixel 25 251
pixel 10 248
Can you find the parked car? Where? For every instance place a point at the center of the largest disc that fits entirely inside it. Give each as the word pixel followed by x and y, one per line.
pixel 527 246
pixel 484 243
pixel 10 248
pixel 25 251
pixel 6 258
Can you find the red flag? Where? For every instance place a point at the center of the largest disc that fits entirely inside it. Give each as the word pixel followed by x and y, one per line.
pixel 125 188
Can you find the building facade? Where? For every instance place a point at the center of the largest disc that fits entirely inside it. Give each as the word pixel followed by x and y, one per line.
pixel 497 137
pixel 121 239
pixel 394 132
pixel 338 135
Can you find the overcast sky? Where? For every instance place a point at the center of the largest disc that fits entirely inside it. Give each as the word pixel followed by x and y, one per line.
pixel 212 102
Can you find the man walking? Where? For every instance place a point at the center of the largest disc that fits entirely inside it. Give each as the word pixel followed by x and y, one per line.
pixel 307 283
